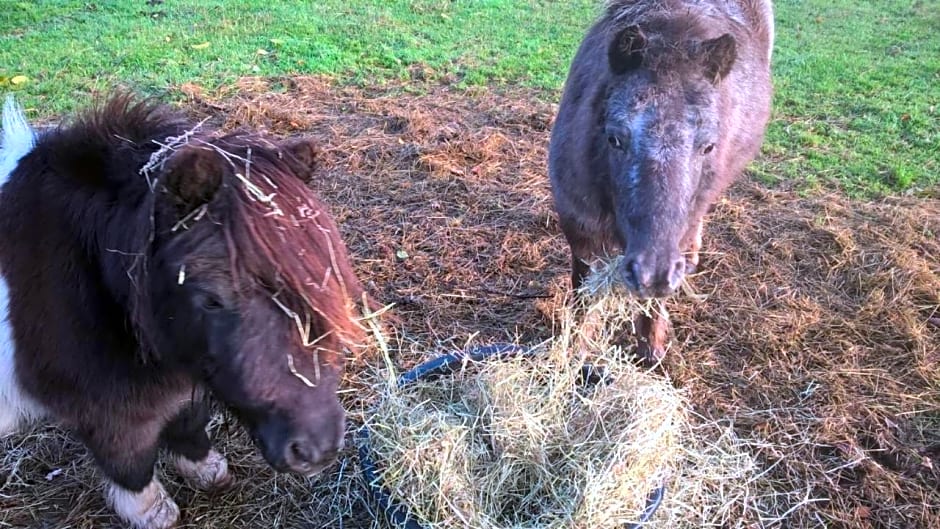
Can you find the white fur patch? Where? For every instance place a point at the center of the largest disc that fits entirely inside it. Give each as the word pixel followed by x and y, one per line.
pixel 210 473
pixel 17 140
pixel 15 406
pixel 638 138
pixel 151 508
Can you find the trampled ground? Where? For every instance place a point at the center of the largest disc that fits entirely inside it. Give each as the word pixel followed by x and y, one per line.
pixel 819 339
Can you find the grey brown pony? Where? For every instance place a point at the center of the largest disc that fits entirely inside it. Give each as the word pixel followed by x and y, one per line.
pixel 665 104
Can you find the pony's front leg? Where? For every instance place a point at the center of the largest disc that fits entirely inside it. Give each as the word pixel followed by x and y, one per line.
pixel 652 336
pixel 148 508
pixel 192 454
pixel 126 456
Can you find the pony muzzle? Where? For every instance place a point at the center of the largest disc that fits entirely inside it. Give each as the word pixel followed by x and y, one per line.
pixel 305 449
pixel 648 275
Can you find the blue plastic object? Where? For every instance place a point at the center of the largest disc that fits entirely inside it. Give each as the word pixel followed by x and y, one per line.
pixel 398 514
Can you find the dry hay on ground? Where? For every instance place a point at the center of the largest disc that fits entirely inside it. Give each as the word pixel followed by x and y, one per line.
pixel 820 340
pixel 817 344
pixel 516 443
pixel 523 442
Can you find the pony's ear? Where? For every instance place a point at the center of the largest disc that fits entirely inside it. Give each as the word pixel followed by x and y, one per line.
pixel 626 50
pixel 192 176
pixel 719 55
pixel 301 156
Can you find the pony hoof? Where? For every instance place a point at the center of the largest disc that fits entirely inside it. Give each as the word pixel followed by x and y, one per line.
pixel 210 474
pixel 151 508
pixel 162 515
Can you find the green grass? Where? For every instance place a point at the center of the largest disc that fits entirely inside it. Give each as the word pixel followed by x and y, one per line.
pixel 857 105
pixel 69 48
pixel 857 100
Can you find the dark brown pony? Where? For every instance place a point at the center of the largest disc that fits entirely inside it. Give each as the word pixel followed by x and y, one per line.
pixel 147 264
pixel 665 104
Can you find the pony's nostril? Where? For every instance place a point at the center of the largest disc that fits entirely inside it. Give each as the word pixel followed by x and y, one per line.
pixel 677 273
pixel 295 451
pixel 300 455
pixel 638 275
pixel 630 277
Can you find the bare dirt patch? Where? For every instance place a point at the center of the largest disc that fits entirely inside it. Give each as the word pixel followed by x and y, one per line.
pixel 819 339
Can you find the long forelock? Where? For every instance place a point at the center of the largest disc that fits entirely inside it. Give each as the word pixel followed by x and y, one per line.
pixel 284 241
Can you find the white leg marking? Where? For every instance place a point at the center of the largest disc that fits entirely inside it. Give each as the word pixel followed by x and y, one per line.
pixel 208 474
pixel 16 406
pixel 151 508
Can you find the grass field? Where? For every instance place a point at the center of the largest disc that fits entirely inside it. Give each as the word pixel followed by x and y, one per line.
pixel 858 83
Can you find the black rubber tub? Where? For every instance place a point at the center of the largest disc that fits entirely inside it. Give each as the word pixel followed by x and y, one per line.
pixel 397 514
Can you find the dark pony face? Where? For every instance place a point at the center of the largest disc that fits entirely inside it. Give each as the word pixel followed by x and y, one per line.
pixel 253 292
pixel 661 135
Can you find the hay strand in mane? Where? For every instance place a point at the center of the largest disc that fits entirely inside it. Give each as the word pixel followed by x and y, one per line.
pixel 313 284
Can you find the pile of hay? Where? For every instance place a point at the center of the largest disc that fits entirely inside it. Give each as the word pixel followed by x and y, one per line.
pixel 517 444
pixel 523 442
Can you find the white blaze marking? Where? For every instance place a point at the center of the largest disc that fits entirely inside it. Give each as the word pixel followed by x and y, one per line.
pixel 15 406
pixel 15 142
pixel 637 137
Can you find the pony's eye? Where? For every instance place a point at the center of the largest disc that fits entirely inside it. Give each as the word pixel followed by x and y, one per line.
pixel 617 137
pixel 210 303
pixel 708 148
